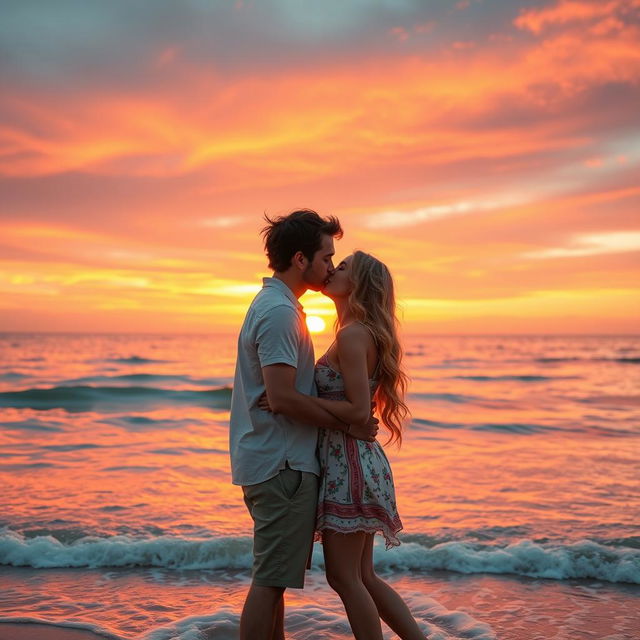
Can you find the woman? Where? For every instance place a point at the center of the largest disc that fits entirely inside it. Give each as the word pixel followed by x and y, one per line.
pixel 356 492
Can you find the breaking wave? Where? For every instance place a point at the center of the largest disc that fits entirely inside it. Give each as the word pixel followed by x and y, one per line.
pixel 556 561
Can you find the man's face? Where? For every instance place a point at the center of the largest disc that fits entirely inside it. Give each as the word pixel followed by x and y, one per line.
pixel 321 267
pixel 339 284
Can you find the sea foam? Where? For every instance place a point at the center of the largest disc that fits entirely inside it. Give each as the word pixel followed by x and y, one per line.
pixel 583 559
pixel 313 622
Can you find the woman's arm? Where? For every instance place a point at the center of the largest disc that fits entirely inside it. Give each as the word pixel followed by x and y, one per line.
pixel 352 343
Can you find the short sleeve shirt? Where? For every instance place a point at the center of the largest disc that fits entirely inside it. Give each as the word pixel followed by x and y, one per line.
pixel 262 443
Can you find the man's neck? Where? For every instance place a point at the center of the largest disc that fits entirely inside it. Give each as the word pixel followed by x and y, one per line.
pixel 293 281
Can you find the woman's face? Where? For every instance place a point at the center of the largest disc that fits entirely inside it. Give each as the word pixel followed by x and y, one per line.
pixel 338 284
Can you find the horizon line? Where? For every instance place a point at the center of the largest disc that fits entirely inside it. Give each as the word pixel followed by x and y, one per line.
pixel 235 332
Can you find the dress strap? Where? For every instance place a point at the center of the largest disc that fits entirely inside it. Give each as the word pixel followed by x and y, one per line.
pixel 374 375
pixel 375 340
pixel 373 335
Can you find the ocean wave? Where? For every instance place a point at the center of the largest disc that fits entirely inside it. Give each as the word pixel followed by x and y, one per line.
pixel 43 552
pixel 624 430
pixel 584 559
pixel 513 427
pixel 622 360
pixel 437 424
pixel 556 561
pixel 133 360
pixel 12 375
pixel 629 541
pixel 514 378
pixel 87 398
pixel 33 425
pixel 456 398
pixel 144 378
pixel 145 423
pixel 613 400
pixel 506 427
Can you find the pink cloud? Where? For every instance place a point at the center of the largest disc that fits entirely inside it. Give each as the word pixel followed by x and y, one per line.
pixel 572 12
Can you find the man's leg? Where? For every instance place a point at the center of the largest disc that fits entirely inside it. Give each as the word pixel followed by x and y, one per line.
pixel 263 604
pixel 278 625
pixel 283 511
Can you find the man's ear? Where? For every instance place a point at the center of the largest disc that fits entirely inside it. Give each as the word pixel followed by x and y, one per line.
pixel 299 261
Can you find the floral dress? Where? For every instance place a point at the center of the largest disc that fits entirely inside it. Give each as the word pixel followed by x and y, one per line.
pixel 356 485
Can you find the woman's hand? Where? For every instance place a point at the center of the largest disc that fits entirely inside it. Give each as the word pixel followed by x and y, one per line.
pixel 368 431
pixel 263 402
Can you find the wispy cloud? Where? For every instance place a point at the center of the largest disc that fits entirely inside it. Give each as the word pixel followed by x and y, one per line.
pixel 397 219
pixel 222 222
pixel 593 245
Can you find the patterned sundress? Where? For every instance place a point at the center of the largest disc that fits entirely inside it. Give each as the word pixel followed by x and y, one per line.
pixel 356 485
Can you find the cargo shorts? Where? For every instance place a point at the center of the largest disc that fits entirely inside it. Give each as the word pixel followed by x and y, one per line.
pixel 283 509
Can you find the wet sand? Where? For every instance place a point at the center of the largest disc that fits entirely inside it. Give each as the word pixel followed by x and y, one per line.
pixel 122 604
pixel 34 631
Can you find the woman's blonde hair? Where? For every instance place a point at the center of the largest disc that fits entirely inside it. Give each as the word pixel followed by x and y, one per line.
pixel 372 302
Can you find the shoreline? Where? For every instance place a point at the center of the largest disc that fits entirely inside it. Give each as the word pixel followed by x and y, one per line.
pixel 31 630
pixel 207 604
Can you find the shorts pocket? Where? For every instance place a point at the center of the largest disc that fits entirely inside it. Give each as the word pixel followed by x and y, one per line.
pixel 291 481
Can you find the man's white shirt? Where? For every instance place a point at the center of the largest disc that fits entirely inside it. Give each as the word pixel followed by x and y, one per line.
pixel 262 443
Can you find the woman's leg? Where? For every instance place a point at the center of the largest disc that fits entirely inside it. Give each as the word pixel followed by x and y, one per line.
pixel 342 559
pixel 390 605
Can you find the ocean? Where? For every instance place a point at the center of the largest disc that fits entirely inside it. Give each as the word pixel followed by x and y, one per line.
pixel 517 483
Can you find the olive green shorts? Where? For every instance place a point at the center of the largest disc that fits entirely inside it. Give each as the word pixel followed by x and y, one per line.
pixel 283 509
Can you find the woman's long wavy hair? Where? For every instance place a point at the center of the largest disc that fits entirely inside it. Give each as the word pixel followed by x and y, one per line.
pixel 372 302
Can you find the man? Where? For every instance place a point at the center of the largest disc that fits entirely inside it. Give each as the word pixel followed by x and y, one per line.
pixel 273 455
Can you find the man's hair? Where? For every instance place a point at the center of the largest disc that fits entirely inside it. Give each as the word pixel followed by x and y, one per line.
pixel 301 230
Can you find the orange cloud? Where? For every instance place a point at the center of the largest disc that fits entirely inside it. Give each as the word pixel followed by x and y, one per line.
pixel 573 11
pixel 332 120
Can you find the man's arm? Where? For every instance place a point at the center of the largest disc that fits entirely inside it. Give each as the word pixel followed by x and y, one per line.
pixel 283 397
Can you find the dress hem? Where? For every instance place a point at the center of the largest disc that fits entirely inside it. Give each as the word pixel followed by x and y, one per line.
pixel 391 539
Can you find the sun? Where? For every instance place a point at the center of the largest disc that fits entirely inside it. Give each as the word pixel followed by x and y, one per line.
pixel 315 324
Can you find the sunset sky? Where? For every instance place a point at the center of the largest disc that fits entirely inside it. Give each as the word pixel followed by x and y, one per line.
pixel 487 150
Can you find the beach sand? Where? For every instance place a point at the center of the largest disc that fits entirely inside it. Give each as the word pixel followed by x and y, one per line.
pixel 33 631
